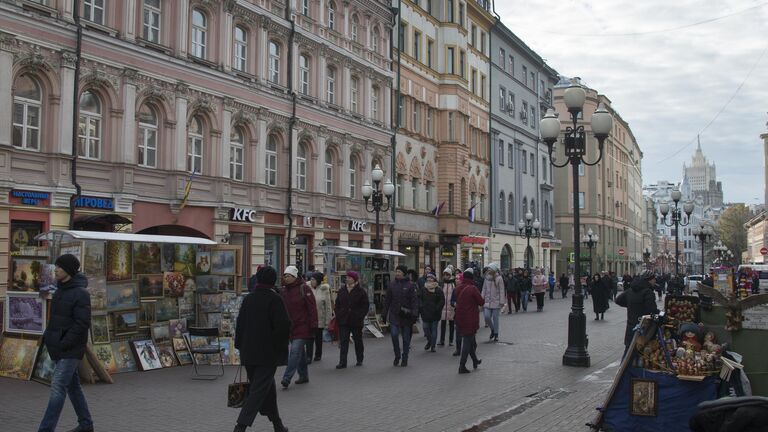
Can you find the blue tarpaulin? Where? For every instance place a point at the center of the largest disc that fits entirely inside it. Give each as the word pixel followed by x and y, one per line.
pixel 677 401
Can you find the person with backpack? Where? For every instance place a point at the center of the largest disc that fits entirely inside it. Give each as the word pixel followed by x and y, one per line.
pixel 401 308
pixel 302 310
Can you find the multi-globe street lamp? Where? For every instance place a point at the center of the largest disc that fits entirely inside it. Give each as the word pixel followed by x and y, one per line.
pixel 528 229
pixel 575 143
pixel 677 221
pixel 703 234
pixel 590 240
pixel 375 195
pixel 723 253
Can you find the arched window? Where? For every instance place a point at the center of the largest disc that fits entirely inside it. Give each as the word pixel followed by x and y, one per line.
pixel 271 161
pixel 147 137
pixel 240 49
pixel 329 172
pixel 502 208
pixel 301 167
pixel 511 209
pixel 236 151
pixel 27 99
pixel 331 87
pixel 89 130
pixel 274 62
pixel 332 15
pixel 195 143
pixel 352 176
pixel 375 40
pixel 199 33
pixel 304 74
pixel 354 28
pixel 354 93
pixel 375 102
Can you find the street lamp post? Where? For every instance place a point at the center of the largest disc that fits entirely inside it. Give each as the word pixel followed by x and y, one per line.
pixel 723 253
pixel 528 229
pixel 703 234
pixel 375 195
pixel 590 241
pixel 575 143
pixel 677 221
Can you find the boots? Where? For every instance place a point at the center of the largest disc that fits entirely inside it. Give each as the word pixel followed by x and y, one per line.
pixel 597 316
pixel 602 316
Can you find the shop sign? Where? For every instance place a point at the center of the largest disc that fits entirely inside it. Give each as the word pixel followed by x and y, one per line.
pixel 358 226
pixel 31 197
pixel 448 253
pixel 409 235
pixel 95 202
pixel 473 240
pixel 242 215
pixel 477 250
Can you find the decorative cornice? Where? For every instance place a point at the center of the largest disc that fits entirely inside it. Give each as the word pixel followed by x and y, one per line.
pixel 68 59
pixel 34 58
pixel 8 42
pixel 130 76
pixel 99 77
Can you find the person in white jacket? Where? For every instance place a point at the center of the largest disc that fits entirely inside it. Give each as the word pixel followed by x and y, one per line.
pixel 493 295
pixel 322 293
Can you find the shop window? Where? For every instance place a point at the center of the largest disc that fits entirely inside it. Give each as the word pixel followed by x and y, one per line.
pixel 273 251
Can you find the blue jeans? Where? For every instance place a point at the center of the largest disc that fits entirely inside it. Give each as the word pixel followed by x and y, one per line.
pixel 297 360
pixel 66 381
pixel 492 319
pixel 395 330
pixel 430 331
pixel 524 298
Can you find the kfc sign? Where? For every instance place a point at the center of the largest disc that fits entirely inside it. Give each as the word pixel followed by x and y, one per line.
pixel 358 226
pixel 242 215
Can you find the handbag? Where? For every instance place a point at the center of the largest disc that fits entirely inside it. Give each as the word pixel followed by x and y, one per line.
pixel 405 312
pixel 237 392
pixel 333 326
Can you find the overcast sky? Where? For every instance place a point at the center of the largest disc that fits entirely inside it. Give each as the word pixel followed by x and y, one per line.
pixel 668 67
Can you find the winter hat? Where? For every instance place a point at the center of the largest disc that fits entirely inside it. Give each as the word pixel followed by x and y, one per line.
pixel 469 273
pixel 648 275
pixel 291 270
pixel 353 275
pixel 431 276
pixel 448 269
pixel 69 263
pixel 266 275
pixel 402 268
pixel 493 266
pixel 317 276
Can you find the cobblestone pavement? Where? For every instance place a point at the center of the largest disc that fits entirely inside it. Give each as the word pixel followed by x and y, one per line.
pixel 521 386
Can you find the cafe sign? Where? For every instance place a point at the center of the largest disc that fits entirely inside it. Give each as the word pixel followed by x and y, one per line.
pixel 358 226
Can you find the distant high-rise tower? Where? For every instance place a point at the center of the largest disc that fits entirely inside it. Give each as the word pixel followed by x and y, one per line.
pixel 702 177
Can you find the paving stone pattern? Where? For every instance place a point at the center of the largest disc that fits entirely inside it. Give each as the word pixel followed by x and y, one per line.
pixel 520 386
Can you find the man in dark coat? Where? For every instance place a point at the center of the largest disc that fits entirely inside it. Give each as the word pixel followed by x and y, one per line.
pixel 261 335
pixel 351 309
pixel 66 338
pixel 431 302
pixel 563 285
pixel 401 308
pixel 467 318
pixel 302 310
pixel 639 299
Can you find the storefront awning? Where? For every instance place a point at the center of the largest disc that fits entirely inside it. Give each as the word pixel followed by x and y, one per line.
pixel 356 250
pixel 119 236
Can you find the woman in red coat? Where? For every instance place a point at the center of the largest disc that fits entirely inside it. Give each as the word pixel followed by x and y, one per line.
pixel 467 319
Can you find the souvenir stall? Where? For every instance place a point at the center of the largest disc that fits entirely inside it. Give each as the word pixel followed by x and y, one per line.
pixel 145 291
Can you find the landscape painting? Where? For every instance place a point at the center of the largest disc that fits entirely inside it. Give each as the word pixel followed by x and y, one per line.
pixel 97 288
pixel 146 258
pixel 122 295
pixel 223 261
pixel 126 322
pixel 150 286
pixel 93 258
pixel 17 356
pixel 185 259
pixel 25 274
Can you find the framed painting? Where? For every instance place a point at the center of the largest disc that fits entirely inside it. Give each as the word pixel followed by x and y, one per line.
pixel 72 248
pixel 185 259
pixel 24 313
pixel 150 286
pixel 93 258
pixel 210 302
pixel 119 261
pixel 146 258
pixel 100 329
pixel 25 274
pixel 105 355
pixel 17 356
pixel 184 357
pixel 146 353
pixel 227 345
pixel 224 261
pixel 97 288
pixel 47 278
pixel 179 343
pixel 174 284
pixel 125 322
pixel 166 309
pixel 229 302
pixel 644 397
pixel 215 283
pixel 166 354
pixel 167 257
pixel 44 367
pixel 124 361
pixel 146 313
pixel 160 333
pixel 203 263
pixel 122 295
pixel 210 319
pixel 187 308
pixel 177 327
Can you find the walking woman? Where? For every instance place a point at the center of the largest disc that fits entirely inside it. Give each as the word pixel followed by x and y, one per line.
pixel 525 289
pixel 351 309
pixel 431 306
pixel 468 300
pixel 540 285
pixel 449 284
pixel 493 296
pixel 600 294
pixel 322 293
pixel 401 310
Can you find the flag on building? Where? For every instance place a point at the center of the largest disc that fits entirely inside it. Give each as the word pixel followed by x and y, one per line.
pixel 472 212
pixel 187 190
pixel 438 208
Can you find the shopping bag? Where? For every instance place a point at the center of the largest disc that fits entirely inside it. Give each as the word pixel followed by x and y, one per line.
pixel 237 392
pixel 333 328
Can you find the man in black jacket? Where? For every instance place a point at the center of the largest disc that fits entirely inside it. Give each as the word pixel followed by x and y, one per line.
pixel 66 338
pixel 639 299
pixel 261 335
pixel 351 309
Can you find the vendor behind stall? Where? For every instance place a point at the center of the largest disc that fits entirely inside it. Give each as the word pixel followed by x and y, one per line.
pixel 639 300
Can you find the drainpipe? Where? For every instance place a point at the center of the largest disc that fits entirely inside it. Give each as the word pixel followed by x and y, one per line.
pixel 76 117
pixel 491 199
pixel 291 123
pixel 396 111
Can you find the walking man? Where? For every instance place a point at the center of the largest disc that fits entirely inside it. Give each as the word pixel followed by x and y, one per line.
pixel 302 310
pixel 401 307
pixel 564 284
pixel 261 335
pixel 351 309
pixel 66 338
pixel 431 306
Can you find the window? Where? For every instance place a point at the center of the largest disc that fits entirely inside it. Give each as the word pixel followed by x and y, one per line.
pixel 482 42
pixel 416 45
pixel 414 193
pixel 199 33
pixel 581 200
pixel 450 198
pixel 449 14
pixel 525 75
pixel 533 116
pixel 511 209
pixel 236 151
pixel 401 36
pixel 353 94
pixel 352 176
pixel 305 8
pixel 328 172
pixel 331 85
pixel 462 56
pixel 195 146
pixel 89 130
pixel 271 161
pixel 512 65
pixel 533 165
pixel 304 74
pixel 354 28
pixel 430 49
pixel 525 206
pixel 461 14
pixel 510 155
pixel 502 59
pixel 399 190
pixel 473 36
pixel 375 40
pixel 501 152
pixel 241 48
pixel 502 98
pixel 533 208
pixel 332 15
pixel 544 168
pixel 27 99
pixel 93 11
pixel 151 27
pixel 451 136
pixel 430 122
pixel 147 137
pixel 524 112
pixel 502 208
pixel 473 82
pixel 375 103
pixel 451 61
pixel 473 142
pixel 511 104
pixel 524 161
pixel 482 86
pixel 301 167
pixel 533 80
pixel 400 110
pixel 274 62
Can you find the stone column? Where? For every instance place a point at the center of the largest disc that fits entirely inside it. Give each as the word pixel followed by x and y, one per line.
pixel 258 154
pixel 6 83
pixel 262 55
pixel 227 41
pixel 127 141
pixel 182 29
pixel 226 130
pixel 385 91
pixel 129 20
pixel 320 164
pixel 180 141
pixel 63 143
